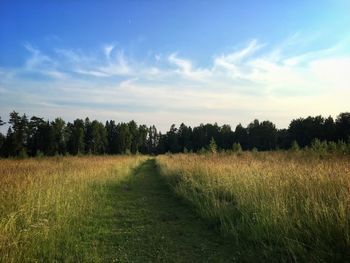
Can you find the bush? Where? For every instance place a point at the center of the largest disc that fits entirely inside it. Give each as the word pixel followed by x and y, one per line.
pixel 202 151
pixel 318 146
pixel 295 146
pixel 332 147
pixel 237 148
pixel 341 147
pixel 22 154
pixel 212 146
pixel 39 154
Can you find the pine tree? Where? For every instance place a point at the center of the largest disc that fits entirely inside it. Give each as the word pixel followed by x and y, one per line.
pixel 1 122
pixel 236 147
pixel 295 146
pixel 212 146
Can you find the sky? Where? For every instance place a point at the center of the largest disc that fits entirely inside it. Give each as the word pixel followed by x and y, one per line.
pixel 165 62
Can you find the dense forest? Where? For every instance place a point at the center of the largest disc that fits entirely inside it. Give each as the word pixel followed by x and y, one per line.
pixel 36 136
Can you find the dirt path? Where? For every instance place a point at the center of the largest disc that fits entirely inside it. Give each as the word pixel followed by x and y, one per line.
pixel 145 222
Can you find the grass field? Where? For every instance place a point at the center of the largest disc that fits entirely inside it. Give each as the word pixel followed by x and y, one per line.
pixel 247 207
pixel 277 206
pixel 49 207
pixel 98 209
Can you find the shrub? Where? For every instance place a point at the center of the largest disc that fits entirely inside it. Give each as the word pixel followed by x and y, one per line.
pixel 39 154
pixel 332 147
pixel 341 147
pixel 212 146
pixel 295 146
pixel 319 147
pixel 236 147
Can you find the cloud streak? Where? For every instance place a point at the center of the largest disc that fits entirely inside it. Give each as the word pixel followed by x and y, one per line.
pixel 254 81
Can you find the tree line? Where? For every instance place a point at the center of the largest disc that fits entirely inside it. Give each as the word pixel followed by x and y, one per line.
pixel 36 136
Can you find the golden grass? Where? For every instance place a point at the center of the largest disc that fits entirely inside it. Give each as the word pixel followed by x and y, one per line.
pixel 46 203
pixel 286 206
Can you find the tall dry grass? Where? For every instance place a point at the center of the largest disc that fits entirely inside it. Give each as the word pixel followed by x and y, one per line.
pixel 277 206
pixel 47 204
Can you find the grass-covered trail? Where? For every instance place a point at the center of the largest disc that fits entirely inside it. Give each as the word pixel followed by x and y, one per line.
pixel 145 222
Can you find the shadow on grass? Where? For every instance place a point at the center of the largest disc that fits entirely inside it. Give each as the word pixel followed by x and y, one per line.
pixel 141 220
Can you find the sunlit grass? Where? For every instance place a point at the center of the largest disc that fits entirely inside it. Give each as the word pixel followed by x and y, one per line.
pixel 281 206
pixel 276 206
pixel 48 205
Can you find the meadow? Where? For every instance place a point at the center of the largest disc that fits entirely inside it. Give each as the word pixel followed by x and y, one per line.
pixel 98 209
pixel 48 206
pixel 277 206
pixel 213 207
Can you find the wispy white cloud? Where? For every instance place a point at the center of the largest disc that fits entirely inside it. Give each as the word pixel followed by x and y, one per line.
pixel 71 56
pixel 40 63
pixel 117 65
pixel 186 69
pixel 255 81
pixel 239 55
pixel 93 73
pixel 37 58
pixel 108 50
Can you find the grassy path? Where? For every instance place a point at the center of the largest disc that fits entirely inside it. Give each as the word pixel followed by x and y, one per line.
pixel 144 222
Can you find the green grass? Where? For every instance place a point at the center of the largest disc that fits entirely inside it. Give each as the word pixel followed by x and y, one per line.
pixel 277 206
pixel 99 209
pixel 144 222
pixel 47 206
pixel 246 207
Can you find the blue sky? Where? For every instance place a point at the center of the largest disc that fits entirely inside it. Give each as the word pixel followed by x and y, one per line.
pixel 164 62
